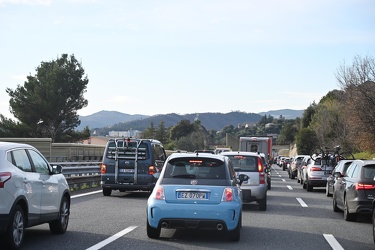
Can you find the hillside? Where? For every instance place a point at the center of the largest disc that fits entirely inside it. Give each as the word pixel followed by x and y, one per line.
pixel 105 121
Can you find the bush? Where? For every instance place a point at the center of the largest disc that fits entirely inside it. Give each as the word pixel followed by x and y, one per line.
pixel 365 155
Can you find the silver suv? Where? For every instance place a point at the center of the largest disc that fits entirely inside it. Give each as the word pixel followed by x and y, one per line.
pixel 32 193
pixel 315 174
pixel 250 164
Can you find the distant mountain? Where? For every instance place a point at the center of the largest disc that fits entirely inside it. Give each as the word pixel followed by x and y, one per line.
pixel 105 121
pixel 287 113
pixel 106 118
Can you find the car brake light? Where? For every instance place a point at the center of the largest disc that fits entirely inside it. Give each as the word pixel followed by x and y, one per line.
pixel 260 165
pixel 262 179
pixel 103 169
pixel 227 194
pixel 4 177
pixel 159 194
pixel 361 186
pixel 151 170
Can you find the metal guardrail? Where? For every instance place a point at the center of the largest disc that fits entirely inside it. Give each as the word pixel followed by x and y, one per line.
pixel 79 174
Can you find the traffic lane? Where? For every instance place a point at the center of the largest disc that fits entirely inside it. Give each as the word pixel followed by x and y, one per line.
pixel 349 234
pixel 278 227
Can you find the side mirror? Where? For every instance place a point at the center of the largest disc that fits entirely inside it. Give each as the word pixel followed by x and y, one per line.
pixel 337 175
pixel 57 169
pixel 242 178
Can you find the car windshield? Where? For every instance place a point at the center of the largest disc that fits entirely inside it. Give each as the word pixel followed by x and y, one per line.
pixel 244 163
pixel 195 168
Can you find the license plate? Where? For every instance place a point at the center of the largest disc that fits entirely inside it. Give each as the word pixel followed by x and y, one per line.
pixel 192 195
pixel 327 172
pixel 126 170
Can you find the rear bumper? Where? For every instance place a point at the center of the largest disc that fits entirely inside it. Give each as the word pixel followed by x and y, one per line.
pixel 192 216
pixel 254 194
pixel 317 183
pixel 360 206
pixel 128 186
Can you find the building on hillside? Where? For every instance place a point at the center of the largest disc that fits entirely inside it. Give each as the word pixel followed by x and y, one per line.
pixel 129 133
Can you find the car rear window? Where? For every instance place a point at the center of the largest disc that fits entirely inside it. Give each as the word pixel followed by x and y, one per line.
pixel 195 168
pixel 127 150
pixel 369 172
pixel 243 163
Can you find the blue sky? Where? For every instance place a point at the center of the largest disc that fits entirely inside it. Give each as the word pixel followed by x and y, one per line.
pixel 178 56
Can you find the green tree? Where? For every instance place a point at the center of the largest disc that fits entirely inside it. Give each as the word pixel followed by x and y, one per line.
pixel 181 129
pixel 307 115
pixel 306 141
pixel 47 104
pixel 150 132
pixel 161 133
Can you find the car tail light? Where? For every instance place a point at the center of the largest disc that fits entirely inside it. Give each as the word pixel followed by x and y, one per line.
pixel 159 194
pixel 151 170
pixel 361 186
pixel 260 165
pixel 262 179
pixel 227 194
pixel 4 177
pixel 315 169
pixel 103 169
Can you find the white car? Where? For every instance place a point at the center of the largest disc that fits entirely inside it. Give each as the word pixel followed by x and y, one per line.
pixel 250 164
pixel 32 193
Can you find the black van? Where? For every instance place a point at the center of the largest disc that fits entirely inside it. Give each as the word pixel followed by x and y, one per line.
pixel 131 164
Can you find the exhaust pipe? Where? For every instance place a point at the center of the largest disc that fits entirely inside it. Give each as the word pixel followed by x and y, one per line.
pixel 219 226
pixel 164 224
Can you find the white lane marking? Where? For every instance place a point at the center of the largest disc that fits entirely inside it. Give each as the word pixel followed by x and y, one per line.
pixel 333 242
pixel 280 176
pixel 290 188
pixel 283 180
pixel 112 238
pixel 80 195
pixel 303 204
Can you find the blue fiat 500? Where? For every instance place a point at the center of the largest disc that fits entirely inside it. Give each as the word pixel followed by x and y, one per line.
pixel 196 191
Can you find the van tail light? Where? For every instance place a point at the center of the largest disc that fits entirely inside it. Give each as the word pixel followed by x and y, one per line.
pixel 159 194
pixel 4 177
pixel 151 170
pixel 103 169
pixel 227 194
pixel 361 186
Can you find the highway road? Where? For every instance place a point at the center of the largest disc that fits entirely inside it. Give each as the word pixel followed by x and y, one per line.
pixel 294 219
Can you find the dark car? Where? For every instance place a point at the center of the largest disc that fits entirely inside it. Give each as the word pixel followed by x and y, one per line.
pixel 340 169
pixel 355 192
pixel 131 164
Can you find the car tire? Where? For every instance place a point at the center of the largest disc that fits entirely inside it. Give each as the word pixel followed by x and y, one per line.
pixel 309 187
pixel 269 185
pixel 347 215
pixel 153 233
pixel 303 184
pixel 16 230
pixel 235 234
pixel 107 191
pixel 328 194
pixel 60 225
pixel 263 204
pixel 334 205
